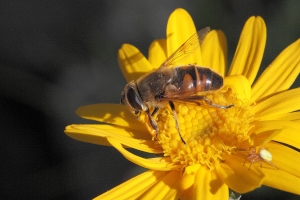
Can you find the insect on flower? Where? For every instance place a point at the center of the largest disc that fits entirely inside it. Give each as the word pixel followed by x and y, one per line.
pixel 262 155
pixel 171 83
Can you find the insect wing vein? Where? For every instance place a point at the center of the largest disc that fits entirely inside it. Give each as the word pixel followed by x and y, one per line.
pixel 187 48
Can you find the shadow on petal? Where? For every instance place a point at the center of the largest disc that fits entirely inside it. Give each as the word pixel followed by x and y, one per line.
pixel 132 62
pixel 116 114
pixel 239 177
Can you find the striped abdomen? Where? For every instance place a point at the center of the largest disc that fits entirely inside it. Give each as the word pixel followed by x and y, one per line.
pixel 192 79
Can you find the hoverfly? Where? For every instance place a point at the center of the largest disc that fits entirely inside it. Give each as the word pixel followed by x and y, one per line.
pixel 170 84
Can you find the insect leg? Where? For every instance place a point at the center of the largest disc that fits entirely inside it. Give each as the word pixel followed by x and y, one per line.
pixel 208 101
pixel 152 122
pixel 176 121
pixel 154 111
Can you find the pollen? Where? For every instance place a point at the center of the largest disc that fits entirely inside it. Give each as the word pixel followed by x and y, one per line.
pixel 208 131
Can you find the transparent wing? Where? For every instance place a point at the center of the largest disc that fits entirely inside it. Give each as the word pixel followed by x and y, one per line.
pixel 187 48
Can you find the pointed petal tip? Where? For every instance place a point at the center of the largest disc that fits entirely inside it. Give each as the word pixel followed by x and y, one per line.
pixel 180 11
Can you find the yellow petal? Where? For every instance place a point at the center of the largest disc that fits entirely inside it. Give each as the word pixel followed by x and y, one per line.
pixel 188 176
pixel 162 164
pixel 85 134
pixel 264 131
pixel 180 27
pixel 264 137
pixel 278 104
pixel 132 62
pixel 287 178
pixel 214 51
pixel 209 186
pixel 294 116
pixel 238 177
pixel 166 188
pixel 250 49
pixel 290 135
pixel 97 134
pixel 239 85
pixel 111 113
pixel 279 130
pixel 282 181
pixel 280 74
pixel 174 191
pixel 285 158
pixel 157 53
pixel 135 187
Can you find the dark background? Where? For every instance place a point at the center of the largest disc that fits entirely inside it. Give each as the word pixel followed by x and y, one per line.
pixel 58 55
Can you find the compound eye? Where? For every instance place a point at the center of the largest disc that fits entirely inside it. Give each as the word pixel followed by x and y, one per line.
pixel 133 100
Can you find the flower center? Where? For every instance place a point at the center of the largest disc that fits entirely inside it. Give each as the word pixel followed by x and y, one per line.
pixel 209 131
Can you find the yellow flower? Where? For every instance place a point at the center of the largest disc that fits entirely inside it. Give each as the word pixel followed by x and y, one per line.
pixel 225 148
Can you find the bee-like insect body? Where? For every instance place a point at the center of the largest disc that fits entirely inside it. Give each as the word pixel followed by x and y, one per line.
pixel 185 83
pixel 191 79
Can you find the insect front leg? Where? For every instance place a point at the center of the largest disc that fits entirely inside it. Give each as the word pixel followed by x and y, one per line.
pixel 152 122
pixel 154 111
